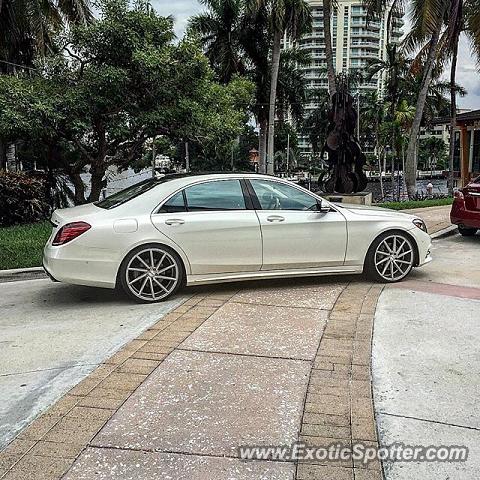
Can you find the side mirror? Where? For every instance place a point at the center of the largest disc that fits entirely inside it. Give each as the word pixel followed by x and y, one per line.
pixel 322 207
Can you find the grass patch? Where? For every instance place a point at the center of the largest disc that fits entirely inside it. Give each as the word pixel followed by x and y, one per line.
pixel 434 202
pixel 21 246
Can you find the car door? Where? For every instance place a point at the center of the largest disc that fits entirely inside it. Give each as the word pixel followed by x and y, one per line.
pixel 211 223
pixel 295 234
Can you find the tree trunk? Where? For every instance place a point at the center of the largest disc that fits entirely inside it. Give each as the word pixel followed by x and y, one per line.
pixel 381 178
pixel 11 157
pixel 3 157
pixel 453 116
pixel 277 39
pixel 262 147
pixel 97 183
pixel 327 31
pixel 79 188
pixel 411 161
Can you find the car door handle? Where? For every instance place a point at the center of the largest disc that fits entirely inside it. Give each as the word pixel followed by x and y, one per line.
pixel 275 218
pixel 174 221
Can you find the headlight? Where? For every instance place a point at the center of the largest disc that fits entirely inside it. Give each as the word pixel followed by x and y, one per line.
pixel 420 224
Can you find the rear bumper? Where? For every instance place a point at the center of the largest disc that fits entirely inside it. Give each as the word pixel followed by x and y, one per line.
pixel 459 215
pixel 80 266
pixel 49 275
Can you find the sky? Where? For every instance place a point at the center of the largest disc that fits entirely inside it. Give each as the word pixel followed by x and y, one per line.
pixel 467 73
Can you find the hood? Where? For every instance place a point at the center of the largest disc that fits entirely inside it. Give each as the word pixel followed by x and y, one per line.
pixel 366 210
pixel 74 214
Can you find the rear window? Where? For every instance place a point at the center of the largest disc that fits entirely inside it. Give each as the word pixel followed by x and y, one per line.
pixel 134 191
pixel 127 194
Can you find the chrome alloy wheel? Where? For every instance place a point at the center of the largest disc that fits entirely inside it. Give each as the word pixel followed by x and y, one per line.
pixel 152 274
pixel 394 258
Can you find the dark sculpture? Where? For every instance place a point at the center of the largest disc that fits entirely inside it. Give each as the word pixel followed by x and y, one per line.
pixel 345 157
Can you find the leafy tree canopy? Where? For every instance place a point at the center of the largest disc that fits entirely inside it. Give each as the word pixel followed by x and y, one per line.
pixel 118 82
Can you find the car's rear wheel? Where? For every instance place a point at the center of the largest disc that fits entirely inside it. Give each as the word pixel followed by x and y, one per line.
pixel 467 232
pixel 151 273
pixel 390 258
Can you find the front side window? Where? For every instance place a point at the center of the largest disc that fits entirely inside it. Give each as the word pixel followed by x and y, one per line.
pixel 217 195
pixel 279 196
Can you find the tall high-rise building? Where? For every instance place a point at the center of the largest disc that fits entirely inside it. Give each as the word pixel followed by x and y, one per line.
pixel 355 41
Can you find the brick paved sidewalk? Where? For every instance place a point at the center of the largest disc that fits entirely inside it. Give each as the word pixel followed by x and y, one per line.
pixel 231 366
pixel 436 218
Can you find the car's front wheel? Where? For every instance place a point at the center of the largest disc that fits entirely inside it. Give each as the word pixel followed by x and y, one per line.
pixel 467 232
pixel 151 273
pixel 390 258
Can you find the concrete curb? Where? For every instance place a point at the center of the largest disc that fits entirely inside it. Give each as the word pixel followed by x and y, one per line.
pixel 19 271
pixel 17 274
pixel 445 232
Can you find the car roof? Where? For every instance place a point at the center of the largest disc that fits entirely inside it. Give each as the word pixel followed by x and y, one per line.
pixel 173 176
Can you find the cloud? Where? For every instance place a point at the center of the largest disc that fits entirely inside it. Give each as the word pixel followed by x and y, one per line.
pixel 468 76
pixel 181 10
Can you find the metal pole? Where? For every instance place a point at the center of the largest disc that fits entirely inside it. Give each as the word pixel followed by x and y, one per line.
pixel 288 153
pixel 187 158
pixel 154 154
pixel 358 115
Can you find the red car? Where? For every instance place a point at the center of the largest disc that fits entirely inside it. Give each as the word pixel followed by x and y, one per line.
pixel 466 208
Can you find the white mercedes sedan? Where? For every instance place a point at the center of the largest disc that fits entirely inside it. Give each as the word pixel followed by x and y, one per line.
pixel 161 234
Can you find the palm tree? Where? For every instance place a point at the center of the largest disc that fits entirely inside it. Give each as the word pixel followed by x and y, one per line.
pixel 463 16
pixel 404 116
pixel 290 18
pixel 27 28
pixel 427 19
pixel 316 122
pixel 396 68
pixel 220 31
pixel 372 114
pixel 292 89
pixel 327 32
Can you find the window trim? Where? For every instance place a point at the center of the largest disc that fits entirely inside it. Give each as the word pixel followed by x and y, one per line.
pixel 243 185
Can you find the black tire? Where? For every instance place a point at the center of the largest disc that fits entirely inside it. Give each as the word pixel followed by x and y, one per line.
pixel 467 232
pixel 377 253
pixel 152 292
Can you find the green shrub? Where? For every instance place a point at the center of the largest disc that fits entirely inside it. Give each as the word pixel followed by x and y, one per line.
pixel 409 204
pixel 22 199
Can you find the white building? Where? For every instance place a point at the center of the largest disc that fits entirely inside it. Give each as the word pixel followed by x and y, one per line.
pixel 355 41
pixel 440 127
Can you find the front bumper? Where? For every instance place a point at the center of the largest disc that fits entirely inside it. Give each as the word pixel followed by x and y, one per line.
pixel 424 246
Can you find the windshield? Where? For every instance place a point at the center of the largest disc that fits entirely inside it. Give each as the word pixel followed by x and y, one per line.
pixel 125 195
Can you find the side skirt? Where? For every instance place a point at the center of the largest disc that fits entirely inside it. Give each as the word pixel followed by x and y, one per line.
pixel 244 276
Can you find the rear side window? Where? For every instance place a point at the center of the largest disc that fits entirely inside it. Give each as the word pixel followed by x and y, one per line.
pixel 217 195
pixel 174 204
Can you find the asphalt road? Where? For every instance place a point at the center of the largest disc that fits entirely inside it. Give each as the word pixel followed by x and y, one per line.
pixel 52 336
pixel 426 361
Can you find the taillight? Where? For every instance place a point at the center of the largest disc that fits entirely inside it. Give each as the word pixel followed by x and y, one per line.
pixel 458 194
pixel 70 231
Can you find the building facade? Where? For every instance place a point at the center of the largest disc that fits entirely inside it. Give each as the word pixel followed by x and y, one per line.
pixel 355 41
